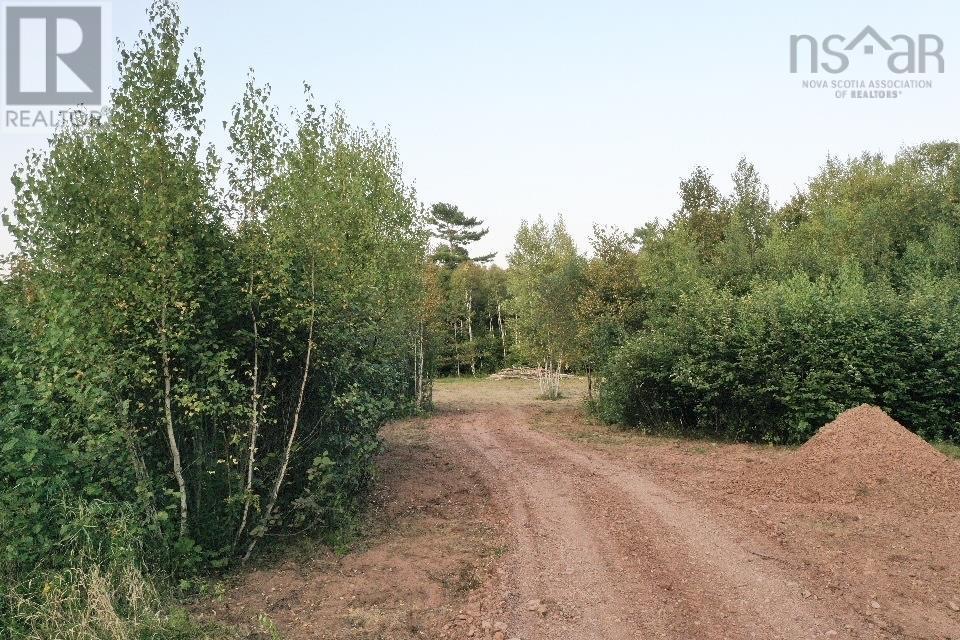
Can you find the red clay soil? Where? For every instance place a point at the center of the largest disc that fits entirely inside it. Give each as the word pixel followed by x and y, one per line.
pixel 865 456
pixel 502 517
pixel 864 521
pixel 426 551
pixel 872 512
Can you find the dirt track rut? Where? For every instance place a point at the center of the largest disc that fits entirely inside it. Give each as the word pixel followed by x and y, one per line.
pixel 503 517
pixel 609 554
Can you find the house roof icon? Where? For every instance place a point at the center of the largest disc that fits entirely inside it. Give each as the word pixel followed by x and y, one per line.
pixel 868 48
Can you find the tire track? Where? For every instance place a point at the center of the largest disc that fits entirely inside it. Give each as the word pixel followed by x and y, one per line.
pixel 557 559
pixel 617 556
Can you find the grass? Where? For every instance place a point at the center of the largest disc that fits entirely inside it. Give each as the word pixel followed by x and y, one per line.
pixel 465 580
pixel 573 423
pixel 467 392
pixel 371 622
pixel 409 434
pixel 98 589
pixel 576 424
pixel 90 602
pixel 465 379
pixel 949 449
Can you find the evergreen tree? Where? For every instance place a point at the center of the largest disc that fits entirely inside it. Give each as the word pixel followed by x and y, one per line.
pixel 456 231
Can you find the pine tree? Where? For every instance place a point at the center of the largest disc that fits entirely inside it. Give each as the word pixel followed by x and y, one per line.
pixel 456 231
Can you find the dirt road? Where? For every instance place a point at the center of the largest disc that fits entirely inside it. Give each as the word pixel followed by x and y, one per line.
pixel 510 518
pixel 613 555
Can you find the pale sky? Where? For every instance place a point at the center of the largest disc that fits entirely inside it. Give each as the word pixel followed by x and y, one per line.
pixel 594 110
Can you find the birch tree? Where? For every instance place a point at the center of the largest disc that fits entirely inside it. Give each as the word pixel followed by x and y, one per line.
pixel 545 278
pixel 256 145
pixel 118 216
pixel 221 378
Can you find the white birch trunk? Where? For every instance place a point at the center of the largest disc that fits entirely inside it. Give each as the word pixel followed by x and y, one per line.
pixel 503 335
pixel 254 424
pixel 473 360
pixel 168 416
pixel 275 491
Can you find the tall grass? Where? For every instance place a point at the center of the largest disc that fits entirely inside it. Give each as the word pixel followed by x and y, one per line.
pixel 101 591
pixel 948 449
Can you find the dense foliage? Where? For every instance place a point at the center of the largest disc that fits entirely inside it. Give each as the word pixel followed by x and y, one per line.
pixel 206 361
pixel 469 322
pixel 739 319
pixel 545 277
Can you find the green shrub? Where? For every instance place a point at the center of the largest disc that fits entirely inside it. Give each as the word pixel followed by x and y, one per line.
pixel 777 363
pixel 218 362
pixel 97 589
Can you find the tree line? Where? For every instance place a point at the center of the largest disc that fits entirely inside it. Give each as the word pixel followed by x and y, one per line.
pixel 739 318
pixel 734 317
pixel 487 317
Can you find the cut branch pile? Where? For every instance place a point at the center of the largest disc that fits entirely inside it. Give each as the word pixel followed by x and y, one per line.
pixel 523 373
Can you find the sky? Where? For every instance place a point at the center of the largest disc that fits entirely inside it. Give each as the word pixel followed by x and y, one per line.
pixel 590 110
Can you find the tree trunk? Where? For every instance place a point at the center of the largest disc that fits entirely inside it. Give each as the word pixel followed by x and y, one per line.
pixel 416 369
pixel 254 422
pixel 136 457
pixel 503 335
pixel 473 359
pixel 419 388
pixel 456 345
pixel 275 491
pixel 168 416
pixel 426 387
pixel 548 378
pixel 556 379
pixel 543 376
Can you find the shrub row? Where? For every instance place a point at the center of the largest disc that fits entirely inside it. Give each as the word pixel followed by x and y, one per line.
pixel 777 363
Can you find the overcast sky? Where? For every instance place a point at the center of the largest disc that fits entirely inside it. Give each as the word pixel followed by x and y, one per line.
pixel 594 110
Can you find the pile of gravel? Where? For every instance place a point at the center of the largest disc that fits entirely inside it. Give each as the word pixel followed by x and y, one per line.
pixel 867 456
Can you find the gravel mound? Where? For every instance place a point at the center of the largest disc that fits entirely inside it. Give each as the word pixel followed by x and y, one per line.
pixel 867 456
